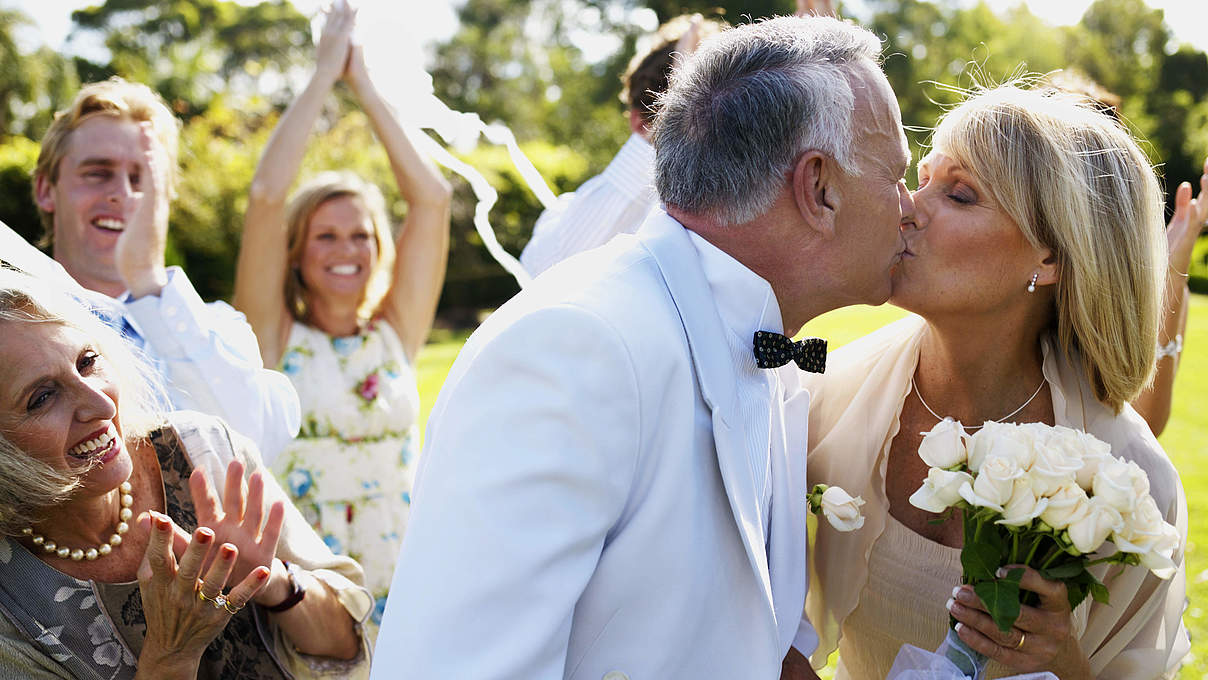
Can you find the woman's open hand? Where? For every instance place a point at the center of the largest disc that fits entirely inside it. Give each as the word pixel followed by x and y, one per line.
pixel 180 621
pixel 239 517
pixel 1189 219
pixel 1042 637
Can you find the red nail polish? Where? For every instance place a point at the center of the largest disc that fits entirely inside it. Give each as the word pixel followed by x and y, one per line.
pixel 204 536
pixel 262 573
pixel 228 551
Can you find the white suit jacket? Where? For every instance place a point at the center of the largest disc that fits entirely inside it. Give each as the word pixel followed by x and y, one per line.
pixel 584 507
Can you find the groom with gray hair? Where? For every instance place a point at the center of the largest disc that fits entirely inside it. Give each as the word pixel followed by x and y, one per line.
pixel 614 484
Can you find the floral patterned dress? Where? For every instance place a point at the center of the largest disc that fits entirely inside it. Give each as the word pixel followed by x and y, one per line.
pixel 350 469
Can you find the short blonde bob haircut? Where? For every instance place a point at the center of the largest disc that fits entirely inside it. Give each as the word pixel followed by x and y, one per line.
pixel 28 485
pixel 316 192
pixel 1075 182
pixel 116 98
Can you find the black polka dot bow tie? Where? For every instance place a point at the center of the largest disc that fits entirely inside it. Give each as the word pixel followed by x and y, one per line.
pixel 773 350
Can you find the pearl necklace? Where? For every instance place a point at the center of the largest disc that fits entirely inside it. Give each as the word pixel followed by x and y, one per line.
pixel 77 554
pixel 918 394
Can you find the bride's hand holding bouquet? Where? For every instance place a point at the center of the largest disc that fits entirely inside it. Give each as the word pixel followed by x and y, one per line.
pixel 1040 505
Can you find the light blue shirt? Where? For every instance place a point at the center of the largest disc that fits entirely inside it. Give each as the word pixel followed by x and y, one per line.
pixel 210 361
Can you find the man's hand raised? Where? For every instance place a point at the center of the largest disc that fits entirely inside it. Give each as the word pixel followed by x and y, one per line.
pixel 139 253
pixel 822 8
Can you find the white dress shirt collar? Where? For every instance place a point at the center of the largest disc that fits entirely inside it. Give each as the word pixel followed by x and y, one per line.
pixel 744 299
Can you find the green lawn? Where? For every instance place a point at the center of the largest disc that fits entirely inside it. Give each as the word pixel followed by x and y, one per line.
pixel 1185 438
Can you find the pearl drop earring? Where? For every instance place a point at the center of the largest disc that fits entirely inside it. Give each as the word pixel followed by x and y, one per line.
pixel 1032 283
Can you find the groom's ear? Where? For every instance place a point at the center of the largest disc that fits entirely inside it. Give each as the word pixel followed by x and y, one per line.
pixel 814 192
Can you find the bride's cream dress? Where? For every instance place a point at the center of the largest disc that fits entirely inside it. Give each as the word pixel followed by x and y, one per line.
pixel 909 580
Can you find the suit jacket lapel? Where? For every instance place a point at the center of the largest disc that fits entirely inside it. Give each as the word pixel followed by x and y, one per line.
pixel 668 242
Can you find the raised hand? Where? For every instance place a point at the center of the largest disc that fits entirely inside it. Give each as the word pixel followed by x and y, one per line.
pixel 139 252
pixel 332 53
pixel 1042 638
pixel 181 623
pixel 239 517
pixel 689 40
pixel 356 73
pixel 822 8
pixel 1189 219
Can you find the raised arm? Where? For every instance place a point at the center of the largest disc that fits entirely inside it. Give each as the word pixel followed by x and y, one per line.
pixel 822 8
pixel 422 244
pixel 263 256
pixel 1185 225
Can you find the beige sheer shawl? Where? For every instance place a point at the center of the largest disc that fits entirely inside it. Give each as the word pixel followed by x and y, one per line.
pixel 854 412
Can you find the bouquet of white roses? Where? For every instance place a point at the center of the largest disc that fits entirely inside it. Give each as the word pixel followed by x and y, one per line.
pixel 1051 498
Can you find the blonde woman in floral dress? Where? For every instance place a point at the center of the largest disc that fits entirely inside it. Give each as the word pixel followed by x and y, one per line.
pixel 342 308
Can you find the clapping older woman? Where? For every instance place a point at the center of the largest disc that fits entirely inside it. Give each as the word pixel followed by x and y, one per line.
pixel 97 491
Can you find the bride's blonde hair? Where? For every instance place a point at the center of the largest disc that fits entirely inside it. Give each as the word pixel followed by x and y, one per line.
pixel 1076 182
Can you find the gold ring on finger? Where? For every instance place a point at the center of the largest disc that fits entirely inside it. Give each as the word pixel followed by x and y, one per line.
pixel 1022 636
pixel 231 607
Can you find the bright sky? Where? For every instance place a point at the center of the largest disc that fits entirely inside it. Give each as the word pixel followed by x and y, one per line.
pixel 428 21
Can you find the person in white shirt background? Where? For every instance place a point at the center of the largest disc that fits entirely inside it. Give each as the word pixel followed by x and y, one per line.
pixel 618 200
pixel 107 227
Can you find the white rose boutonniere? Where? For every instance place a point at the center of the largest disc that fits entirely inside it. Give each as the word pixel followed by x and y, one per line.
pixel 838 506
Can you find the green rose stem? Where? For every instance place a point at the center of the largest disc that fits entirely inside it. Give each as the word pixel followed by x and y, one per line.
pixel 966 659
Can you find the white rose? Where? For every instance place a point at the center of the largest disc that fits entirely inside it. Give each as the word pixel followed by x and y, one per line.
pixel 945 445
pixel 1001 439
pixel 1094 454
pixel 994 484
pixel 1143 528
pixel 1052 468
pixel 1120 484
pixel 1160 559
pixel 1023 506
pixel 841 510
pixel 941 490
pixel 1067 505
pixel 1089 532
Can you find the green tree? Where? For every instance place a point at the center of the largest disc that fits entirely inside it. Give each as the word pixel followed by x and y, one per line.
pixel 31 84
pixel 192 50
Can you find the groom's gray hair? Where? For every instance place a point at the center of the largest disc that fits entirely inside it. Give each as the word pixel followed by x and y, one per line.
pixel 740 112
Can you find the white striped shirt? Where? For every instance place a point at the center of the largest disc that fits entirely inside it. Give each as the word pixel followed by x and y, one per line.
pixel 614 202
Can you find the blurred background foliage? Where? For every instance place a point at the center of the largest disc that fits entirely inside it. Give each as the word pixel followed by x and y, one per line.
pixel 228 70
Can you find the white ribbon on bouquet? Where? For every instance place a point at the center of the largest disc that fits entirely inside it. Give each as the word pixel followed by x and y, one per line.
pixel 913 663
